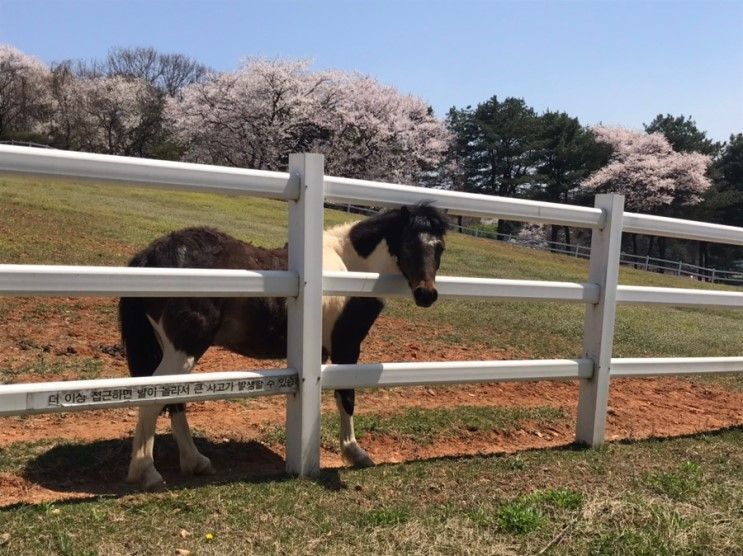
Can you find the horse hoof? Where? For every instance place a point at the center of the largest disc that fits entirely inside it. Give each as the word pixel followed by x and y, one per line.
pixel 200 465
pixel 355 456
pixel 149 479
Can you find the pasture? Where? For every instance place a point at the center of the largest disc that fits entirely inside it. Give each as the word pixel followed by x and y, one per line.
pixel 460 471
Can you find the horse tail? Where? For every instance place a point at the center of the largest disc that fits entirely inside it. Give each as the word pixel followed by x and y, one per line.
pixel 143 351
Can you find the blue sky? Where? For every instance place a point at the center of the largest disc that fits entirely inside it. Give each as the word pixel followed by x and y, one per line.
pixel 615 62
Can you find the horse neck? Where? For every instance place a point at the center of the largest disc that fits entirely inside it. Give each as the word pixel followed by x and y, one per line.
pixel 339 248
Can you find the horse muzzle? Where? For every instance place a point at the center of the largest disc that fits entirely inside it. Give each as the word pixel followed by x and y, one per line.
pixel 425 297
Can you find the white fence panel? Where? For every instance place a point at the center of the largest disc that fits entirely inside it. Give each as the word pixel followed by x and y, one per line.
pixel 305 186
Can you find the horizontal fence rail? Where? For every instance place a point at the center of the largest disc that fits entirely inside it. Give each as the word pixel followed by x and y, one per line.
pixel 682 229
pixel 305 187
pixel 452 372
pixel 371 193
pixel 640 367
pixel 78 395
pixel 369 284
pixel 679 296
pixel 52 280
pixel 146 172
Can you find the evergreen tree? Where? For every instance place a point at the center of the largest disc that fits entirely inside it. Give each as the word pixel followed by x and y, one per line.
pixel 683 134
pixel 494 147
pixel 566 154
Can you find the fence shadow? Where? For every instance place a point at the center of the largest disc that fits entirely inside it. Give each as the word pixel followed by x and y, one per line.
pixel 99 468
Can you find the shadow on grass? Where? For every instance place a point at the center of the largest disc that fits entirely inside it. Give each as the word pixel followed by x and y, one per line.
pixel 99 468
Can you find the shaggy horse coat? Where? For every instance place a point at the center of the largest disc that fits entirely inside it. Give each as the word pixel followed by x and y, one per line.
pixel 168 336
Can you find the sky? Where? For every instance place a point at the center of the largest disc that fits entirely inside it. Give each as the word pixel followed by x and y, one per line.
pixel 619 62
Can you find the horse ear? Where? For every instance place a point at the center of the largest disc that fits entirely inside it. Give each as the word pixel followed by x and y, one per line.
pixel 404 212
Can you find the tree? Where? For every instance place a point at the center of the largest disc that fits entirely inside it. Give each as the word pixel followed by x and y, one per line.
pixel 118 115
pixel 645 169
pixel 648 172
pixel 254 117
pixel 24 93
pixel 66 124
pixel 566 153
pixel 168 73
pixel 723 202
pixel 683 134
pixel 377 133
pixel 494 146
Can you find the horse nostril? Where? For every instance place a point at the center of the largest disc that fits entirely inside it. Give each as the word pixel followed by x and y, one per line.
pixel 424 297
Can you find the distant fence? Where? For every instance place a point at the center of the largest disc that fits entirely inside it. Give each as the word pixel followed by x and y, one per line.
pixel 305 187
pixel 642 262
pixel 16 143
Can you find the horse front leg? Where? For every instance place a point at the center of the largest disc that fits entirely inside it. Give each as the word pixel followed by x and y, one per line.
pixel 348 332
pixel 352 453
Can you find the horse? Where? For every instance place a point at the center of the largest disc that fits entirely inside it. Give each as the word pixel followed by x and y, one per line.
pixel 168 336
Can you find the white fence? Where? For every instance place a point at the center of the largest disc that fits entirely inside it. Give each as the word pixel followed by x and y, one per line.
pixel 643 262
pixel 305 187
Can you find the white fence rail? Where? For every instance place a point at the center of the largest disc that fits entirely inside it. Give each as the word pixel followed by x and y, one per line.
pixel 305 187
pixel 643 262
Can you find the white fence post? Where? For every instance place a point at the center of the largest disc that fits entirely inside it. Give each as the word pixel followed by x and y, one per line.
pixel 304 340
pixel 598 336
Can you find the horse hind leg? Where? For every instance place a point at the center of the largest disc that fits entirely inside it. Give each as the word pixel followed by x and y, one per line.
pixel 192 461
pixel 352 453
pixel 142 465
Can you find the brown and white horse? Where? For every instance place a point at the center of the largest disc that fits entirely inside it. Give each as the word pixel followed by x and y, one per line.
pixel 168 336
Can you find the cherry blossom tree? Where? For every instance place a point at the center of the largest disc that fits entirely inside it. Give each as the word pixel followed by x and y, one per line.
pixel 112 115
pixel 254 117
pixel 652 177
pixel 377 133
pixel 24 92
pixel 648 172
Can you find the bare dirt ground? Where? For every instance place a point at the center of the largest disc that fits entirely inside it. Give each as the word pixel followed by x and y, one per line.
pixel 50 344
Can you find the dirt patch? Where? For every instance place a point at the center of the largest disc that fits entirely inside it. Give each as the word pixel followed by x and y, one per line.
pixel 49 341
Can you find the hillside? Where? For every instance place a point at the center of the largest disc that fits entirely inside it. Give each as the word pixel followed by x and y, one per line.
pixel 67 223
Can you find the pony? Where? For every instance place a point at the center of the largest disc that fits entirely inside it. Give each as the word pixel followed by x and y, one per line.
pixel 168 336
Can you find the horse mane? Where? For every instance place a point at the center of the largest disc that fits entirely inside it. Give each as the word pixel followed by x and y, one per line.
pixel 426 218
pixel 389 224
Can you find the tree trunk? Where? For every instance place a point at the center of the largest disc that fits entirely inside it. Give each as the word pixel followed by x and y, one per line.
pixel 649 251
pixel 634 245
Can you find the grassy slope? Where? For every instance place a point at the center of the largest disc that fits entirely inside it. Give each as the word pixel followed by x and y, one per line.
pixel 44 222
pixel 681 496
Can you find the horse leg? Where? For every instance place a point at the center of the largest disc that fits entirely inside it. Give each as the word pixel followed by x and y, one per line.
pixel 190 326
pixel 352 453
pixel 193 462
pixel 349 331
pixel 142 465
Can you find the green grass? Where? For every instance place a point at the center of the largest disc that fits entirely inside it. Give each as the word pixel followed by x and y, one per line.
pixel 682 496
pixel 425 426
pixel 582 501
pixel 71 223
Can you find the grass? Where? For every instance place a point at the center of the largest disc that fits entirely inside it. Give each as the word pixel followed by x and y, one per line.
pixel 106 225
pixel 425 426
pixel 681 496
pixel 577 501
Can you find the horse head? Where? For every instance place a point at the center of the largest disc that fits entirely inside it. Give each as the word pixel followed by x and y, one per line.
pixel 418 253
